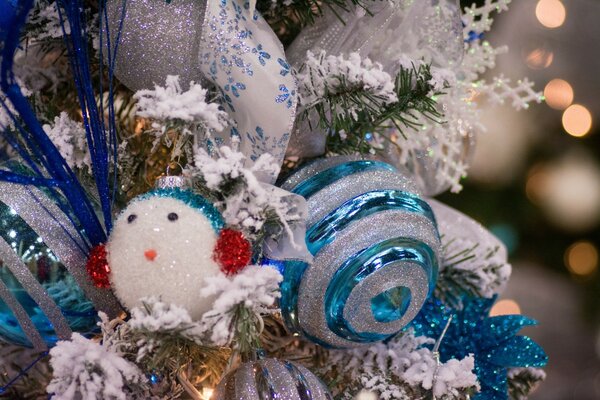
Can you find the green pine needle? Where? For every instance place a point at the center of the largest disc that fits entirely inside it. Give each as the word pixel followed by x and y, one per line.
pixel 348 129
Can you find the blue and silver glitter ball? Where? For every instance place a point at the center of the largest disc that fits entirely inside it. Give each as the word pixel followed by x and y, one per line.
pixel 376 253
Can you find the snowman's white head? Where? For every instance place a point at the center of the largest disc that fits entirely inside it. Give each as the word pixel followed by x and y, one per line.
pixel 164 244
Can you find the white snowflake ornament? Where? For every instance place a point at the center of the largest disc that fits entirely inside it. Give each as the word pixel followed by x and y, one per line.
pixel 165 244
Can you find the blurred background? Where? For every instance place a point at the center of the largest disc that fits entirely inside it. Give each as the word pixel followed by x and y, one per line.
pixel 535 182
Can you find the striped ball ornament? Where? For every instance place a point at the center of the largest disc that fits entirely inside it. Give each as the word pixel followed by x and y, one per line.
pixel 376 252
pixel 271 379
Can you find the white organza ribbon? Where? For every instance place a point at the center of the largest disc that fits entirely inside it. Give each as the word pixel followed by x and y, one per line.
pixel 291 244
pixel 391 30
pixel 428 29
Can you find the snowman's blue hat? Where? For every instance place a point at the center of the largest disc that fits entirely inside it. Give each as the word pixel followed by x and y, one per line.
pixel 191 199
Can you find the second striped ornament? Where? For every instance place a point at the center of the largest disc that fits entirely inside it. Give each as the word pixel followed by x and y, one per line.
pixel 376 252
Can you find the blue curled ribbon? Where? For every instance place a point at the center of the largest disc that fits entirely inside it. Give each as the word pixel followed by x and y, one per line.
pixel 44 167
pixel 48 168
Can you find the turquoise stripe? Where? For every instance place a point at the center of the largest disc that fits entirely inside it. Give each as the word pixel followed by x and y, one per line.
pixel 324 232
pixel 312 185
pixel 373 260
pixel 292 271
pixel 9 326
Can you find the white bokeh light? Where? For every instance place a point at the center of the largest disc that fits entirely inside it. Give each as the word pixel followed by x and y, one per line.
pixel 570 193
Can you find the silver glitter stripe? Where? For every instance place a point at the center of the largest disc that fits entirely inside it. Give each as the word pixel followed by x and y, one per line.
pixel 245 383
pixel 364 233
pixel 50 223
pixel 22 318
pixel 35 290
pixel 377 228
pixel 358 311
pixel 331 197
pixel 317 388
pixel 269 378
pixel 319 166
pixel 280 379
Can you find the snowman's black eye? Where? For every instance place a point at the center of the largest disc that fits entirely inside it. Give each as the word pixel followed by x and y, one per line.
pixel 173 217
pixel 131 218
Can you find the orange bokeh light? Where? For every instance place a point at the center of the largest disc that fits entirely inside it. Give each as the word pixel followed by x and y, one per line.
pixel 539 58
pixel 551 13
pixel 581 258
pixel 577 120
pixel 559 94
pixel 505 307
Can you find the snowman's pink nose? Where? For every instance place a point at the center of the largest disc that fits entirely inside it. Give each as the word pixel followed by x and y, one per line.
pixel 150 254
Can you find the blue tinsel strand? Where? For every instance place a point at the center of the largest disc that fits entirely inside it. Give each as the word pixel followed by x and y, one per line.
pixel 491 340
pixel 29 140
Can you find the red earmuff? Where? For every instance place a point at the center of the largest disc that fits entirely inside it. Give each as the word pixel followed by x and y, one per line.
pixel 97 267
pixel 233 252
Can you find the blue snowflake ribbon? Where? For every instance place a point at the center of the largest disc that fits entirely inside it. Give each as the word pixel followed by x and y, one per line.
pixel 493 341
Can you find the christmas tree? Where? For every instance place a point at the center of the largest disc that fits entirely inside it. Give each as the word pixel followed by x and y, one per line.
pixel 234 200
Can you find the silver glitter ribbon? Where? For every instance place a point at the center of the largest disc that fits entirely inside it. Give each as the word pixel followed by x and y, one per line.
pixel 224 42
pixel 172 182
pixel 23 319
pixel 271 378
pixel 57 232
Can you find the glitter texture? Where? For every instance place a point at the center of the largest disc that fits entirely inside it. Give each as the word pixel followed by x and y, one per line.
pixel 172 182
pixel 154 255
pixel 325 178
pixel 350 187
pixel 491 340
pixel 191 199
pixel 97 267
pixel 157 40
pixel 271 379
pixel 26 328
pixel 376 253
pixel 46 304
pixel 233 252
pixel 51 242
pixel 311 169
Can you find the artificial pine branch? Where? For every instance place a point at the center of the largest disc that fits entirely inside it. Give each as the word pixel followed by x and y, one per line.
pixel 170 353
pixel 32 385
pixel 522 381
pixel 468 270
pixel 351 111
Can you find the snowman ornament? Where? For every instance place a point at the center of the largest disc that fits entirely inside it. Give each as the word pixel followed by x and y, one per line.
pixel 165 244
